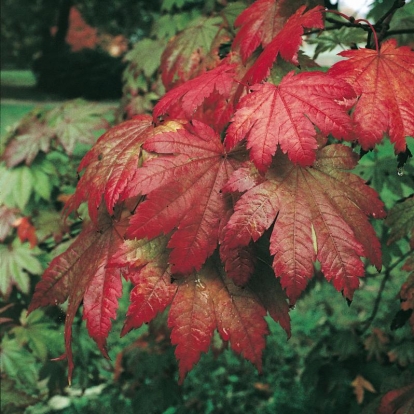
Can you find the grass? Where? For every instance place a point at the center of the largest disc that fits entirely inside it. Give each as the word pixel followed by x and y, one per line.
pixel 24 78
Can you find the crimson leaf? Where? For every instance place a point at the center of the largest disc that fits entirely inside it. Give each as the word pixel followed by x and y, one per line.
pixel 321 213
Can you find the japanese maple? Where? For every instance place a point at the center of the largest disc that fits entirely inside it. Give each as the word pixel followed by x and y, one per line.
pixel 222 205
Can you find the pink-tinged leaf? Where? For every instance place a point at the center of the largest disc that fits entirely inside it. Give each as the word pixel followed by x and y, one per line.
pixel 287 114
pixel 183 186
pixel 240 318
pixel 238 263
pixel 192 320
pixel 100 301
pixel 386 99
pixel 209 300
pixel 81 274
pixel 261 22
pixel 191 94
pixel 145 263
pixel 244 178
pixel 109 165
pixel 286 43
pixel 321 214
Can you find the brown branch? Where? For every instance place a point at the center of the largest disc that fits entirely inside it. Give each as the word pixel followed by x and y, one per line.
pixel 398 32
pixel 382 26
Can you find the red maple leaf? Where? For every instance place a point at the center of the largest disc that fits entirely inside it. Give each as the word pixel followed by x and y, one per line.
pixel 109 165
pixel 383 80
pixel 258 24
pixel 286 43
pixel 398 401
pixel 183 193
pixel 286 114
pixel 26 231
pixel 208 300
pixel 261 22
pixel 81 274
pixel 321 214
pixel 148 269
pixel 191 94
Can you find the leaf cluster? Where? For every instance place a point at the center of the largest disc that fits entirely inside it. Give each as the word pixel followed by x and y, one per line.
pixel 233 202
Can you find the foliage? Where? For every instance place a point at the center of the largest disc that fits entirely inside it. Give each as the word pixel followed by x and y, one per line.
pixel 211 220
pixel 23 24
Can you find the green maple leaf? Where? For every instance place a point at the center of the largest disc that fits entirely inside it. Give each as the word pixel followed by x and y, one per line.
pixel 39 334
pixel 18 363
pixel 70 123
pixel 16 262
pixel 11 396
pixel 152 50
pixel 193 51
pixel 344 37
pixel 78 121
pixel 401 220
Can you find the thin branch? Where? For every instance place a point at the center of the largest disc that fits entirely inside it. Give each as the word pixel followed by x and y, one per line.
pixel 383 24
pixel 397 5
pixel 347 24
pixel 377 302
pixel 398 32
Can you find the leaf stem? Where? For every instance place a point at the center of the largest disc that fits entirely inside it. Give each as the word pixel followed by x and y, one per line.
pixel 355 23
pixel 373 31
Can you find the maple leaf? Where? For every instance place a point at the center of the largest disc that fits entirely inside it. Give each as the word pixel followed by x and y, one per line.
pixel 16 262
pixel 147 267
pixel 238 263
pixel 7 217
pixel 81 274
pixel 376 343
pixel 400 220
pixel 183 193
pixel 286 43
pixel 69 123
pixel 260 23
pixel 398 401
pixel 321 214
pixel 37 332
pixel 192 93
pixel 26 231
pixel 28 137
pixel 191 52
pixel 385 104
pixel 109 165
pixel 287 114
pixel 208 300
pixel 51 223
pixel 152 50
pixel 361 385
pixel 77 121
